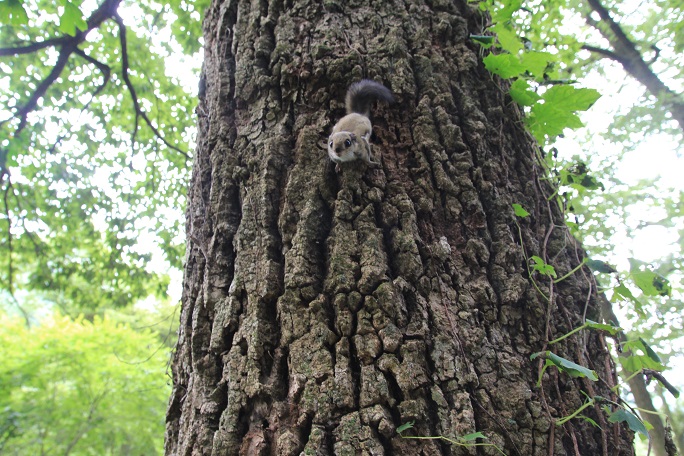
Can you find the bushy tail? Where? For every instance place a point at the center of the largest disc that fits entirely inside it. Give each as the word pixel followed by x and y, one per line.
pixel 362 94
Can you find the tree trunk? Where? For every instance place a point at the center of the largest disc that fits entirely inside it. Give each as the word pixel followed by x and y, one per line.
pixel 321 310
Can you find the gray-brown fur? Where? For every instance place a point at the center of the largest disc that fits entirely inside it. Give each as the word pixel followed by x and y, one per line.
pixel 350 138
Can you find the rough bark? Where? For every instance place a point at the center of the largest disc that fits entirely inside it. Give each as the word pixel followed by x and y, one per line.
pixel 321 310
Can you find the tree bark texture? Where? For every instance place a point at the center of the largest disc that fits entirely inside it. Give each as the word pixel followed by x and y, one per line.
pixel 321 310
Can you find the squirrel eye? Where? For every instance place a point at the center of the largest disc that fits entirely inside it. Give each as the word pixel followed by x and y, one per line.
pixel 347 143
pixel 330 144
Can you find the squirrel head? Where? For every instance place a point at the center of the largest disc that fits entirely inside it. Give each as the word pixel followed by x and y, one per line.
pixel 341 146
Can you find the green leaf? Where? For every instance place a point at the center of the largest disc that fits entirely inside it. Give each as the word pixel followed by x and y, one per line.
pixel 543 268
pixel 505 12
pixel 405 426
pixel 622 292
pixel 650 283
pixel 505 65
pixel 12 12
pixel 572 369
pixel 519 210
pixel 649 351
pixel 633 361
pixel 557 112
pixel 610 329
pixel 522 94
pixel 536 62
pixel 485 40
pixel 601 266
pixel 508 39
pixel 577 176
pixel 569 98
pixel 634 423
pixel 72 19
pixel 546 120
pixel 473 436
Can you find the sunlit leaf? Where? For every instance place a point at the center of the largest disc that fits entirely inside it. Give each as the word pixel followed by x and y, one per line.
pixel 505 65
pixel 541 267
pixel 72 19
pixel 507 38
pixel 650 283
pixel 633 361
pixel 519 210
pixel 522 94
pixel 13 12
pixel 536 62
pixel 505 10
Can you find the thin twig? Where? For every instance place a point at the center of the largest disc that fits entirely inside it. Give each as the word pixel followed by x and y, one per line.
pixel 131 89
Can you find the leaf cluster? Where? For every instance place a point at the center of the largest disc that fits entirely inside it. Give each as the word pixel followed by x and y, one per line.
pixel 550 112
pixel 653 30
pixel 87 179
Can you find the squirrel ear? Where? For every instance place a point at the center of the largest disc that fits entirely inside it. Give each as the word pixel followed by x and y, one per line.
pixel 352 136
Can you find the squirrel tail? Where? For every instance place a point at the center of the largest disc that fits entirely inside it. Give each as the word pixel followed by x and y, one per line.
pixel 362 94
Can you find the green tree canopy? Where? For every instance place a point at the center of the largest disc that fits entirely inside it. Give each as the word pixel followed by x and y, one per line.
pixel 95 134
pixel 79 387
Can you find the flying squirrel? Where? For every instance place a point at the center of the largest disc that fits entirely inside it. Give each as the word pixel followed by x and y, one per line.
pixel 350 138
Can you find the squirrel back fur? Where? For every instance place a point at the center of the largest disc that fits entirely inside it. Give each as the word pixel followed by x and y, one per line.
pixel 362 94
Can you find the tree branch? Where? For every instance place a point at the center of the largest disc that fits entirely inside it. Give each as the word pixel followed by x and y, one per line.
pixel 104 69
pixel 131 89
pixel 34 47
pixel 69 45
pixel 625 52
pixel 637 384
pixel 45 84
pixel 602 52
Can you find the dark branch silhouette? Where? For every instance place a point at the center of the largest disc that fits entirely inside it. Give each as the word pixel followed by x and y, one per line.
pixel 602 52
pixel 45 84
pixel 124 74
pixel 625 52
pixel 68 45
pixel 34 47
pixel 104 69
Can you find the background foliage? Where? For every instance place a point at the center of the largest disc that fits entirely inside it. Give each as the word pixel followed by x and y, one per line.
pixel 73 386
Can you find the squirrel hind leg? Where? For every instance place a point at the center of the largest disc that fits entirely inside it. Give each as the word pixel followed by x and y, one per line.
pixel 366 154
